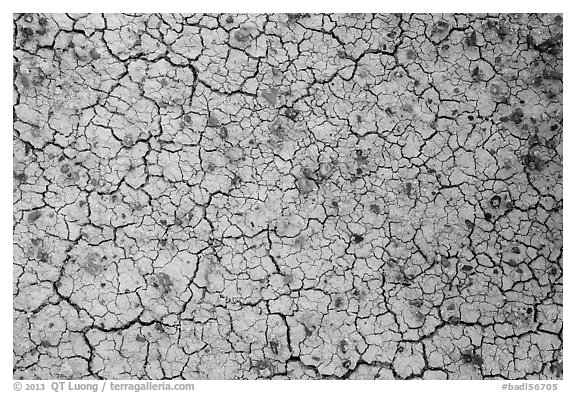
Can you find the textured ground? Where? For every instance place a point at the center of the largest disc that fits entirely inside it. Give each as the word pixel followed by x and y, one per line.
pixel 287 196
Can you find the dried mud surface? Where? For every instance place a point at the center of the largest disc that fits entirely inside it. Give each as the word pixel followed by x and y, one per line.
pixel 287 196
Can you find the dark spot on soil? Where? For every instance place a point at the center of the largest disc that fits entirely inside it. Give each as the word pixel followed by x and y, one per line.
pixel 25 81
pixel 553 271
pixel 473 359
pixel 357 238
pixel 274 347
pixel 533 162
pixel 502 29
pixel 495 89
pixel 21 177
pixel 28 32
pixel 552 74
pixel 495 201
pixel 43 256
pixel 293 17
pixel 242 35
pixel 165 282
pixel 454 320
pixel 445 262
pixel 94 54
pixel 488 216
pixel 343 345
pixel 33 216
pixel 128 140
pixel 305 185
pixel 476 74
pixel 375 209
pixel 552 44
pixel 213 121
pixel 291 113
pixel 270 95
pixel 416 303
pixel 223 133
pixel 557 368
pixel 441 26
pixel 308 173
pixel 408 188
pixel 538 80
pixel 339 302
pixel 517 116
pixel 472 39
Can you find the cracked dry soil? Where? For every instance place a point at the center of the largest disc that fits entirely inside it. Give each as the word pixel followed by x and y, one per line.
pixel 287 196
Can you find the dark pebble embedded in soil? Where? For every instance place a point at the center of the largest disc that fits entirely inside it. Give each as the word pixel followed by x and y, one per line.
pixel 495 201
